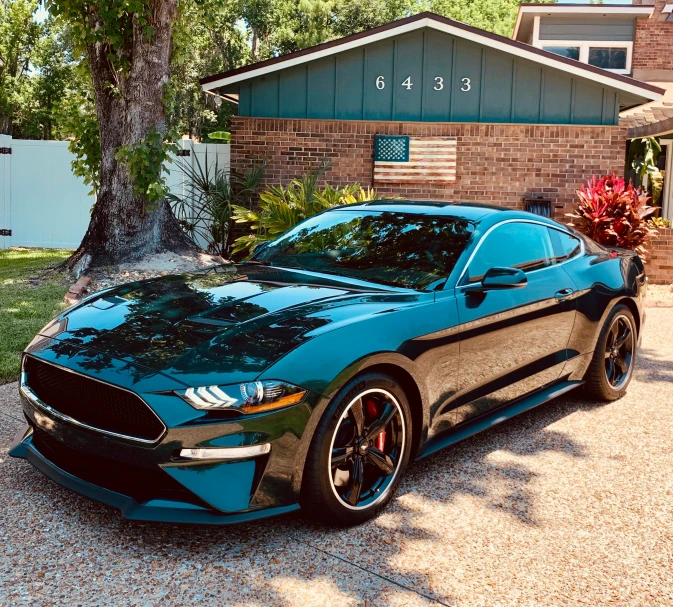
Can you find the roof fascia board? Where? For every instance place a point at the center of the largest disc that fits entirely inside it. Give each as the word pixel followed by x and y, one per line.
pixel 504 45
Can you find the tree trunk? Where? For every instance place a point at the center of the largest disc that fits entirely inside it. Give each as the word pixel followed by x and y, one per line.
pixel 255 45
pixel 122 227
pixel 5 125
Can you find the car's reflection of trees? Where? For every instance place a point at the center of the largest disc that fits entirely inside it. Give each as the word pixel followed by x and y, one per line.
pixel 156 333
pixel 394 248
pixel 252 346
pixel 151 332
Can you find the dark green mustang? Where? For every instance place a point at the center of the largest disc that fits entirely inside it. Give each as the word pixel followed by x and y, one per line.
pixel 310 375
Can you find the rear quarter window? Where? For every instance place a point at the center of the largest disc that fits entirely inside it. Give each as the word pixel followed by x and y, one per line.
pixel 565 246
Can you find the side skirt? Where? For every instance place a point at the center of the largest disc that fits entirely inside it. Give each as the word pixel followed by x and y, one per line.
pixel 451 437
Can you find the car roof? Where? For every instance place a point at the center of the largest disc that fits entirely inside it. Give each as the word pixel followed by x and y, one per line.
pixel 469 211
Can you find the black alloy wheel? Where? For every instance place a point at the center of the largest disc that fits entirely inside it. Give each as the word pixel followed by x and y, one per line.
pixel 366 448
pixel 614 358
pixel 359 451
pixel 619 348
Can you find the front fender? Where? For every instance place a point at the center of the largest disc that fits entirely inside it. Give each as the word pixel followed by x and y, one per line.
pixel 329 360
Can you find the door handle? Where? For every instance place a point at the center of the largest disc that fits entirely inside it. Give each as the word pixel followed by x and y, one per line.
pixel 563 294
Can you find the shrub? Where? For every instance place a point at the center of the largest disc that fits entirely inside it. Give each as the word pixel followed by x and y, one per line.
pixel 659 222
pixel 614 213
pixel 283 208
pixel 205 209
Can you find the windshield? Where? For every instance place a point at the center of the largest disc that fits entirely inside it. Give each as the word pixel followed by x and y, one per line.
pixel 391 248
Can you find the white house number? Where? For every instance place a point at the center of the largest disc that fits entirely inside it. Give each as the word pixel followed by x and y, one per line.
pixel 466 83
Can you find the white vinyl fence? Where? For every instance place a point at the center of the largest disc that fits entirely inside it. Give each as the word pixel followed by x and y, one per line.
pixel 42 204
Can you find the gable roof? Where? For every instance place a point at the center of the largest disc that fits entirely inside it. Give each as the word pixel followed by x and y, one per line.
pixel 430 20
pixel 529 10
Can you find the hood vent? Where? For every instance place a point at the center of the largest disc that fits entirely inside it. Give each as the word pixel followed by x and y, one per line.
pixel 213 322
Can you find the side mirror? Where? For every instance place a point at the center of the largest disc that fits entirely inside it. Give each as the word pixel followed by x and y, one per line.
pixel 501 278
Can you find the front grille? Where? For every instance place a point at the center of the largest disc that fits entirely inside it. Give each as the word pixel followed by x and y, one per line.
pixel 92 402
pixel 142 484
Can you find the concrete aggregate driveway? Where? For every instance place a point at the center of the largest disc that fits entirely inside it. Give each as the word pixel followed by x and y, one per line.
pixel 569 504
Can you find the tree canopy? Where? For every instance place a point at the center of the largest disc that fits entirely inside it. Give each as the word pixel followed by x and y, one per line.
pixel 119 78
pixel 45 89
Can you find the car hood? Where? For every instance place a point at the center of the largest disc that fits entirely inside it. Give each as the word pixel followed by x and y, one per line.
pixel 228 324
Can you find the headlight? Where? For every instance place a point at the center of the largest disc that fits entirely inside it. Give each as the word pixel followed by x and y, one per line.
pixel 253 397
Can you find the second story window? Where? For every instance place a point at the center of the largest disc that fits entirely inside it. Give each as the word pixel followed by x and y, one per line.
pixel 572 52
pixel 612 56
pixel 608 58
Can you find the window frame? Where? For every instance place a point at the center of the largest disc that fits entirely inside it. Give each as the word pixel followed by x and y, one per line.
pixel 609 49
pixel 460 284
pixel 585 45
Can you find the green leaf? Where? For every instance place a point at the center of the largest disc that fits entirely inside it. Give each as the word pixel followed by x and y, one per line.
pixel 220 135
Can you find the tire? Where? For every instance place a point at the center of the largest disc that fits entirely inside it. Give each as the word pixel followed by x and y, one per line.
pixel 611 367
pixel 330 491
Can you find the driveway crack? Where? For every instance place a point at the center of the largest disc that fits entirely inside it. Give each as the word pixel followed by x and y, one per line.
pixel 378 575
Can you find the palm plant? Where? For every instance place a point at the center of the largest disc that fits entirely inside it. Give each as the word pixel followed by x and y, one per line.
pixel 643 156
pixel 283 208
pixel 205 208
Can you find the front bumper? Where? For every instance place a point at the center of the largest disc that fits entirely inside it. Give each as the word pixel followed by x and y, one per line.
pixel 151 481
pixel 160 510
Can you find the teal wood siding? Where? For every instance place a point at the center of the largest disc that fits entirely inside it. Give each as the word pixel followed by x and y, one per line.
pixel 466 74
pixel 586 28
pixel 429 76
pixel 588 102
pixel 408 60
pixel 350 85
pixel 496 95
pixel 526 92
pixel 557 98
pixel 438 62
pixel 244 91
pixel 265 95
pixel 292 94
pixel 322 87
pixel 379 102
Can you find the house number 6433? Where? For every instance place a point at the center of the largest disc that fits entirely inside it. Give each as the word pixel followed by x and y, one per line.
pixel 439 83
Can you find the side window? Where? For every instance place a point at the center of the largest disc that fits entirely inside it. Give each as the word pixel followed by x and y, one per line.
pixel 565 245
pixel 526 246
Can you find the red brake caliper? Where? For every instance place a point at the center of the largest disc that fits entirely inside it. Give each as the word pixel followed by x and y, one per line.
pixel 380 440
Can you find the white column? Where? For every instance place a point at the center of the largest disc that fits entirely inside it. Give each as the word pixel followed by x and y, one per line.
pixel 536 31
pixel 667 194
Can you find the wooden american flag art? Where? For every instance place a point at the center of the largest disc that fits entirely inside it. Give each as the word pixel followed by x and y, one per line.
pixel 404 159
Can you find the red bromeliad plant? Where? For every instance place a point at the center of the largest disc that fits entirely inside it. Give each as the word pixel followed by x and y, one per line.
pixel 614 213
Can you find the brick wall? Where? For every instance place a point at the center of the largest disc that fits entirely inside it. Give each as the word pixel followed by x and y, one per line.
pixel 659 266
pixel 653 44
pixel 497 164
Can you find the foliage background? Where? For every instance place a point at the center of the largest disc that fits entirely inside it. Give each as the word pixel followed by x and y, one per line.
pixel 45 89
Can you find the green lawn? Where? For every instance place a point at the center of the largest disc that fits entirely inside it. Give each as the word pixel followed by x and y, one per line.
pixel 31 293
